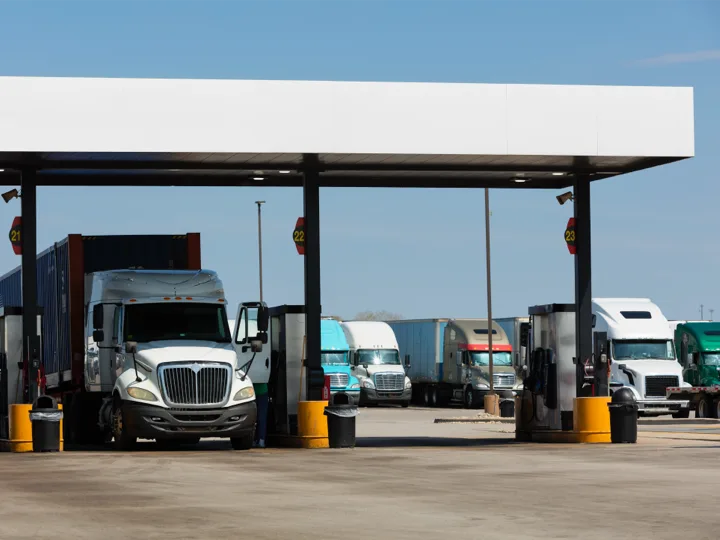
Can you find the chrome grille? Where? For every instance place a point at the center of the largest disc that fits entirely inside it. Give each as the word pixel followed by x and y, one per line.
pixel 504 379
pixel 339 379
pixel 656 386
pixel 389 382
pixel 197 383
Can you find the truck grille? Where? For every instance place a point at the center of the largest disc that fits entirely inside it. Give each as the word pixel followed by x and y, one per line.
pixel 195 383
pixel 655 386
pixel 339 380
pixel 388 382
pixel 504 380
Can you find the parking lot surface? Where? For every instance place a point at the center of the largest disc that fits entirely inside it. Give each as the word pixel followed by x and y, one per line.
pixel 408 478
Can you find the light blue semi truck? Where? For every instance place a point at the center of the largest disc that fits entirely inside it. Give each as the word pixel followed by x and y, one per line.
pixel 335 358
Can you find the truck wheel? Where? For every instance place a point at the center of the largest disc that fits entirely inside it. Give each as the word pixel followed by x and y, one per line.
pixel 122 439
pixel 405 404
pixel 470 401
pixel 683 413
pixel 242 443
pixel 703 409
pixel 437 401
pixel 427 398
pixel 716 409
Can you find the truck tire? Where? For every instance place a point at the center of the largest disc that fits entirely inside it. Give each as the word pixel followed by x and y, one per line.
pixel 682 413
pixel 716 408
pixel 427 396
pixel 242 443
pixel 122 439
pixel 405 404
pixel 703 408
pixel 470 401
pixel 436 400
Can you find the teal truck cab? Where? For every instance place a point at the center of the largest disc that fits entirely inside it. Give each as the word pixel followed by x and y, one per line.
pixel 335 358
pixel 698 349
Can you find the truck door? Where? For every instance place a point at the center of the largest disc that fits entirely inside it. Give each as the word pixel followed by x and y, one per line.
pixel 246 328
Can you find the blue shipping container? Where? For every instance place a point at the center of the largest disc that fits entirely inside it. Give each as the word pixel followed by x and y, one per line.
pixel 53 289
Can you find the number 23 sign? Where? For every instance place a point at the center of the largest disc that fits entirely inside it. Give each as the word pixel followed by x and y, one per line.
pixel 570 236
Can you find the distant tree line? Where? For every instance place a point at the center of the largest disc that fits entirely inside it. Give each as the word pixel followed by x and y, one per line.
pixel 370 316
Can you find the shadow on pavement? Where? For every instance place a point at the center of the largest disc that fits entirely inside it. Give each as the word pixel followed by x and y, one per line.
pixel 430 442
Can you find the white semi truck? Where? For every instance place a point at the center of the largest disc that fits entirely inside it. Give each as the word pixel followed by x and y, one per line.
pixel 160 351
pixel 639 341
pixel 375 361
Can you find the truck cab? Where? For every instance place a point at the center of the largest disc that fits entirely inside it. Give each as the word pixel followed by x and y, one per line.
pixel 335 359
pixel 698 348
pixel 638 340
pixel 466 369
pixel 159 346
pixel 375 361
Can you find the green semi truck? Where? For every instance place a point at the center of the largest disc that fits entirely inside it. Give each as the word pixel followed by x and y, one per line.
pixel 698 350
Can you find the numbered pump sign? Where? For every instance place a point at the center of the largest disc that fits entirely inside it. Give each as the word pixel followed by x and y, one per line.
pixel 299 236
pixel 15 235
pixel 570 236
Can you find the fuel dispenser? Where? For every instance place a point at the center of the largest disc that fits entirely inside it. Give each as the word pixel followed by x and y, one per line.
pixel 554 379
pixel 286 384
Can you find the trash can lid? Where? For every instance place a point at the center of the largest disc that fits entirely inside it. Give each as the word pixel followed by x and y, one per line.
pixel 45 402
pixel 623 395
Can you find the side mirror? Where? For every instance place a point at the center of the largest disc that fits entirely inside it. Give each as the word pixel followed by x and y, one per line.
pixel 524 333
pixel 256 345
pixel 131 347
pixel 98 336
pixel 263 319
pixel 98 317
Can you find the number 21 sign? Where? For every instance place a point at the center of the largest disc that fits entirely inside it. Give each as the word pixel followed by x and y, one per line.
pixel 15 235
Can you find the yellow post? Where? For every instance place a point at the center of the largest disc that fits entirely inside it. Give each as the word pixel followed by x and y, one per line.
pixel 591 419
pixel 20 428
pixel 312 424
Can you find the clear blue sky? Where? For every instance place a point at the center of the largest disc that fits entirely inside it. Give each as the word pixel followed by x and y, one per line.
pixel 654 232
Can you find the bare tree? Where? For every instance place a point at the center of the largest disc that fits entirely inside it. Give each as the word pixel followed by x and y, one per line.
pixel 377 316
pixel 335 317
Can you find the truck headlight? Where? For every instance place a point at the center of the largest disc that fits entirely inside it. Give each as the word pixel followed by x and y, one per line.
pixel 481 386
pixel 245 393
pixel 367 383
pixel 354 386
pixel 141 393
pixel 408 384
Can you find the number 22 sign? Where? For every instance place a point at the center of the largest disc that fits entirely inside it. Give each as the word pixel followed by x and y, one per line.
pixel 299 236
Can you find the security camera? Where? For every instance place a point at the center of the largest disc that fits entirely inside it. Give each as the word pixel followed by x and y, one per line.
pixel 10 195
pixel 565 197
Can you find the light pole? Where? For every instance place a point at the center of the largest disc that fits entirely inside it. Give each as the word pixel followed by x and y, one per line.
pixel 711 313
pixel 702 313
pixel 259 205
pixel 489 298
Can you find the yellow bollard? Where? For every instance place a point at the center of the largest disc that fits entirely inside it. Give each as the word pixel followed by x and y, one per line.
pixel 20 428
pixel 591 419
pixel 312 424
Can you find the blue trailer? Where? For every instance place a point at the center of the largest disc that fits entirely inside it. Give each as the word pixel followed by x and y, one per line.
pixel 335 358
pixel 448 359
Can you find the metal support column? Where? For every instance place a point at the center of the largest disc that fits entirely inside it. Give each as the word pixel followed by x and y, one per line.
pixel 315 376
pixel 28 240
pixel 583 281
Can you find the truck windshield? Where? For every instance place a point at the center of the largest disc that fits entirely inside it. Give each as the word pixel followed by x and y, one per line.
pixel 711 359
pixel 378 357
pixel 177 320
pixel 627 349
pixel 483 359
pixel 334 358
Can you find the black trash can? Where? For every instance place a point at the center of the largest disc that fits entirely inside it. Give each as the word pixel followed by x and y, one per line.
pixel 45 418
pixel 623 417
pixel 507 408
pixel 341 425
